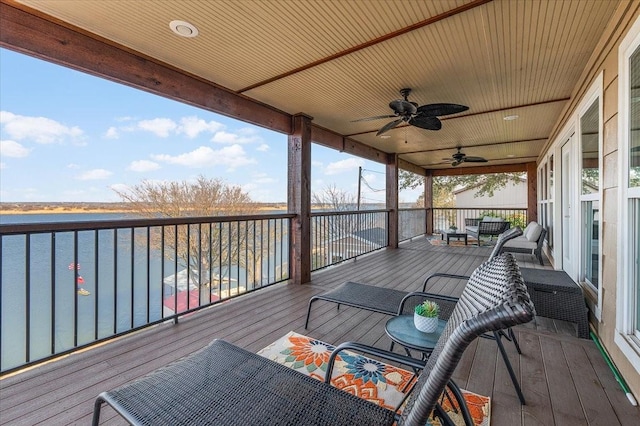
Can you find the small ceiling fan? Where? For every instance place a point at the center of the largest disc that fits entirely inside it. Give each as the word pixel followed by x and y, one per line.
pixel 460 157
pixel 425 116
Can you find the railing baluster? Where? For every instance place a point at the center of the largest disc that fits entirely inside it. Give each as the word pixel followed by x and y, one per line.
pixel 27 291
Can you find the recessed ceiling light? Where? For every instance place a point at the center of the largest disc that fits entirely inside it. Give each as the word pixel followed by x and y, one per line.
pixel 183 29
pixel 510 155
pixel 385 136
pixel 511 117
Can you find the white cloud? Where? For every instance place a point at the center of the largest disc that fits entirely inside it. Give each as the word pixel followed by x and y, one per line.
pixel 316 163
pixel 343 166
pixel 263 148
pixel 193 126
pixel 73 166
pixel 13 149
pixel 120 187
pixel 112 133
pixel 161 127
pixel 3 166
pixel 262 178
pixel 232 156
pixel 143 166
pixel 242 137
pixel 95 174
pixel 39 129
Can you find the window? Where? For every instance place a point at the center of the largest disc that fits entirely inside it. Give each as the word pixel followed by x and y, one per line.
pixel 545 205
pixel 590 193
pixel 627 335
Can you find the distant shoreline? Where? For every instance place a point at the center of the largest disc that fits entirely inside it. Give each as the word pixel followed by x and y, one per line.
pixel 89 208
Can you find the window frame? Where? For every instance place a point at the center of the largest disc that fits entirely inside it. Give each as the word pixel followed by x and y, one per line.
pixel 594 94
pixel 624 336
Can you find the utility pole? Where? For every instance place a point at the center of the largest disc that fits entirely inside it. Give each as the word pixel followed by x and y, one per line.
pixel 359 183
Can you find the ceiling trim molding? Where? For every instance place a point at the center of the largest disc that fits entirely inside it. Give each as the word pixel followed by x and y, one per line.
pixel 473 146
pixel 481 170
pixel 468 6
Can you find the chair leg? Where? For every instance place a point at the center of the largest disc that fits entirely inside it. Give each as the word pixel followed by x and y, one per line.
pixel 512 337
pixel 306 323
pixel 507 363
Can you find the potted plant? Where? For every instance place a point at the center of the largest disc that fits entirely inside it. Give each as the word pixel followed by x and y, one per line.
pixel 453 227
pixel 425 316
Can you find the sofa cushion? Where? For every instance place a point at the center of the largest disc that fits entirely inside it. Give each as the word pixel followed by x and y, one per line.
pixel 528 227
pixel 521 243
pixel 534 233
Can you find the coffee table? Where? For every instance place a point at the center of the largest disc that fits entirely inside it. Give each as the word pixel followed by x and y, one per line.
pixel 455 234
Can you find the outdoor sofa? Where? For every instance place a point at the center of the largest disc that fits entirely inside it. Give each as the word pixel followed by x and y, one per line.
pixel 529 242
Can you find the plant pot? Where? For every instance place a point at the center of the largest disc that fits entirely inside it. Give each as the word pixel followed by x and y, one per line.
pixel 424 324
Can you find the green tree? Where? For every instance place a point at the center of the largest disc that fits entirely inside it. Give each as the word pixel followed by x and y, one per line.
pixel 443 186
pixel 202 248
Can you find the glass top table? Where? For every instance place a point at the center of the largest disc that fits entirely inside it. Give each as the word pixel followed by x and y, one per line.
pixel 401 330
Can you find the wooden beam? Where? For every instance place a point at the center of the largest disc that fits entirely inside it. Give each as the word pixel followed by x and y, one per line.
pixel 299 199
pixel 410 167
pixel 481 170
pixel 74 48
pixel 392 200
pixel 361 150
pixel 532 192
pixel 428 201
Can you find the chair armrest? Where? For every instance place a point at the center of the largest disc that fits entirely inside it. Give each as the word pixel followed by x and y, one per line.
pixel 370 350
pixel 442 275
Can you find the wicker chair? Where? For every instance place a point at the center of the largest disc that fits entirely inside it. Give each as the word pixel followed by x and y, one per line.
pixel 394 302
pixel 223 384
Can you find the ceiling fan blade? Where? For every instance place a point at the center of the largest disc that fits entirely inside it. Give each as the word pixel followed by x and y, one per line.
pixel 434 110
pixel 389 126
pixel 429 123
pixel 401 107
pixel 475 160
pixel 377 117
pixel 456 162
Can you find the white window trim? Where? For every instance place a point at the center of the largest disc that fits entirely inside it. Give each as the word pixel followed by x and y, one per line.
pixel 594 92
pixel 623 337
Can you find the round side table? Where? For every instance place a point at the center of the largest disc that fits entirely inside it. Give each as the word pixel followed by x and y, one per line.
pixel 401 330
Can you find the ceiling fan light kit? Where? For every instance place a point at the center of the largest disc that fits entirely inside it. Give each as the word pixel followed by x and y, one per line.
pixel 424 117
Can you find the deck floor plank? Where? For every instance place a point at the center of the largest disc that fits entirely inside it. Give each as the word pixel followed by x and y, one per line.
pixel 62 392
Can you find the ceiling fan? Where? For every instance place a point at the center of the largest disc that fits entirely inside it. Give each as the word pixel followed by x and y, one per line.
pixel 425 116
pixel 460 157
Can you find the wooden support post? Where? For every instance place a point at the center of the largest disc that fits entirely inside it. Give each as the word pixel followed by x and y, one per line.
pixel 428 201
pixel 299 199
pixel 532 192
pixel 392 199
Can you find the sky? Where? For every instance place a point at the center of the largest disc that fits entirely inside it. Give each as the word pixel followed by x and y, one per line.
pixel 67 136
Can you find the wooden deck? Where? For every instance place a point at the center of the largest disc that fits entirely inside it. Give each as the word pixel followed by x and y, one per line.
pixel 564 379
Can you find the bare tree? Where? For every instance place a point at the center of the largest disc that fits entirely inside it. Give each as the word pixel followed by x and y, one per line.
pixel 202 248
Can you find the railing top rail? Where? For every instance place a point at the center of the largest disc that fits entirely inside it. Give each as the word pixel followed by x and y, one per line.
pixel 342 213
pixel 404 209
pixel 479 208
pixel 89 225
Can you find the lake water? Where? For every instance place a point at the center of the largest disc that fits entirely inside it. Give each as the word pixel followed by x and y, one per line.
pixel 124 290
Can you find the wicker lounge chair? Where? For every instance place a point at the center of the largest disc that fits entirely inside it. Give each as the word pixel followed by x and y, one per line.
pixel 223 384
pixel 394 302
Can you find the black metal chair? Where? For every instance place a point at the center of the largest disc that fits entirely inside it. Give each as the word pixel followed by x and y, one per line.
pixel 223 384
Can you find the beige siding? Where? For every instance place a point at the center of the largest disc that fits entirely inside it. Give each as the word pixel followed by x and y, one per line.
pixel 605 61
